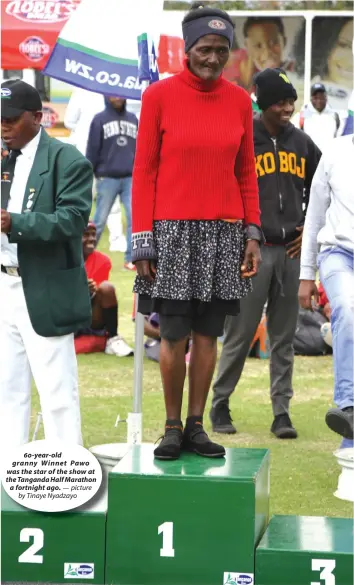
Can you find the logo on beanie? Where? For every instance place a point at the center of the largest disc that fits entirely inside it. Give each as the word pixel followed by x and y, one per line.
pixel 283 76
pixel 217 24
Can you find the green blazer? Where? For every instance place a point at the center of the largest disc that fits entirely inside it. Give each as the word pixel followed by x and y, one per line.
pixel 56 208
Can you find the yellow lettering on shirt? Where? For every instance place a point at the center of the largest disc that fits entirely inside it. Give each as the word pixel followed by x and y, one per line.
pixel 292 163
pixel 288 163
pixel 283 161
pixel 259 169
pixel 269 162
pixel 300 171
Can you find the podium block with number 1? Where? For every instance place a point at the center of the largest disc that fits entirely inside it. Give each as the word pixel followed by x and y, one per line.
pixel 193 521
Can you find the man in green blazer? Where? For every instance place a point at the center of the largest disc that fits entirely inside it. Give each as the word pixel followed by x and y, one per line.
pixel 46 203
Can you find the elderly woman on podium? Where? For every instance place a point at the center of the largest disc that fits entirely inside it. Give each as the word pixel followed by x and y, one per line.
pixel 196 218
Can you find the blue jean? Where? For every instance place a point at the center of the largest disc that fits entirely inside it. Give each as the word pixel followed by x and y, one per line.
pixel 336 267
pixel 107 191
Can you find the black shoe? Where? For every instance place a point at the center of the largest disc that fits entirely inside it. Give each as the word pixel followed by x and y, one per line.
pixel 197 441
pixel 282 427
pixel 170 446
pixel 341 421
pixel 221 420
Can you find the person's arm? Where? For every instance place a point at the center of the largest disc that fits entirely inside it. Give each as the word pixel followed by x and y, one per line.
pixel 144 177
pixel 245 169
pixel 320 198
pixel 73 201
pixel 94 142
pixel 247 179
pixel 73 111
pixel 312 160
pixel 102 274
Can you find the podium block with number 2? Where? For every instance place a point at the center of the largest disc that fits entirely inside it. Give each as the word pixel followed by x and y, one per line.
pixel 193 521
pixel 65 547
pixel 306 550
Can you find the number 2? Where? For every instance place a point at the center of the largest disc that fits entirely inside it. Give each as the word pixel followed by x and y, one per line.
pixel 29 555
pixel 167 549
pixel 326 574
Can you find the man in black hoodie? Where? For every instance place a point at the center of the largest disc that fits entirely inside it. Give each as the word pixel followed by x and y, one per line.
pixel 111 151
pixel 286 160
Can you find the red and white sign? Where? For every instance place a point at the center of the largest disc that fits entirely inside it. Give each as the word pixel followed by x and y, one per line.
pixel 50 117
pixel 29 30
pixel 41 11
pixel 34 48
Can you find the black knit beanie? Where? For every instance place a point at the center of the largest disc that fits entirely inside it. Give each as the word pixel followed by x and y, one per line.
pixel 203 21
pixel 273 86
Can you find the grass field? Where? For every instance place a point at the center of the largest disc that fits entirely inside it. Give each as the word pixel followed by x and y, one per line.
pixel 304 472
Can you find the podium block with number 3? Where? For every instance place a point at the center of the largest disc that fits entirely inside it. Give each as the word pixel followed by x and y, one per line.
pixel 306 550
pixel 193 521
pixel 65 547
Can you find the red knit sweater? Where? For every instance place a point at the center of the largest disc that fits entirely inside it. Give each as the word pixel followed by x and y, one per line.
pixel 195 155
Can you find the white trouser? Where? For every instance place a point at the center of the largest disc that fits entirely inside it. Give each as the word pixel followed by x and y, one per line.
pixel 114 222
pixel 52 363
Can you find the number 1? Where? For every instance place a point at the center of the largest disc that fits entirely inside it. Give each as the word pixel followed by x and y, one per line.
pixel 167 549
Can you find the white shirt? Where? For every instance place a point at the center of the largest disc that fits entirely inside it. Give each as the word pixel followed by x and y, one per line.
pixel 320 126
pixel 80 111
pixel 22 170
pixel 330 214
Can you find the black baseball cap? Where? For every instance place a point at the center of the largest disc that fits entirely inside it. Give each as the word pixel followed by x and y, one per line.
pixel 317 87
pixel 17 97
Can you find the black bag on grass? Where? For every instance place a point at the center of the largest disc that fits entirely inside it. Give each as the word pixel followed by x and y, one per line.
pixel 308 339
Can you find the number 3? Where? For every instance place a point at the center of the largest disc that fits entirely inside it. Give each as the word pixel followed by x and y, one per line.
pixel 326 575
pixel 167 549
pixel 30 556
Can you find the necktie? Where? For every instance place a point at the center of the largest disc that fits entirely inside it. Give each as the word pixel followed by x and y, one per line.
pixel 7 175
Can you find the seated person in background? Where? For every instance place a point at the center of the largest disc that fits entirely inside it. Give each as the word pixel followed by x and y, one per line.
pixel 103 296
pixel 153 341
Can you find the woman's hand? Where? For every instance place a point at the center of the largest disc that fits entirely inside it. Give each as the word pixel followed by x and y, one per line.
pixel 146 269
pixel 251 260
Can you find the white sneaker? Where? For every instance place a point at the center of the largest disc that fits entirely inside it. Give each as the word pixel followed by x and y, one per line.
pixel 326 332
pixel 118 244
pixel 117 346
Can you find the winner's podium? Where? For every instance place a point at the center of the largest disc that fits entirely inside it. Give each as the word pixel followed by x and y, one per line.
pixel 306 550
pixel 193 521
pixel 66 547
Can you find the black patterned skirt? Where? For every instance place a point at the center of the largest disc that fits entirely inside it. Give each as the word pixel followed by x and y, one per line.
pixel 196 261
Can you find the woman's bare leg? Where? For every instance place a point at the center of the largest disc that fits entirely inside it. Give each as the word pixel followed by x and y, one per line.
pixel 173 374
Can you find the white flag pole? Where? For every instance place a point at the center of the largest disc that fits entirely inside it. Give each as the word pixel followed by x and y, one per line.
pixel 135 418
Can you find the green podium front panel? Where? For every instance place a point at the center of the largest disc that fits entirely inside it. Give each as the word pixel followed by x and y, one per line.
pixel 65 547
pixel 194 521
pixel 306 550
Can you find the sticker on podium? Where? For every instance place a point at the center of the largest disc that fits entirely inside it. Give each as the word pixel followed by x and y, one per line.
pixel 51 476
pixel 79 571
pixel 238 578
